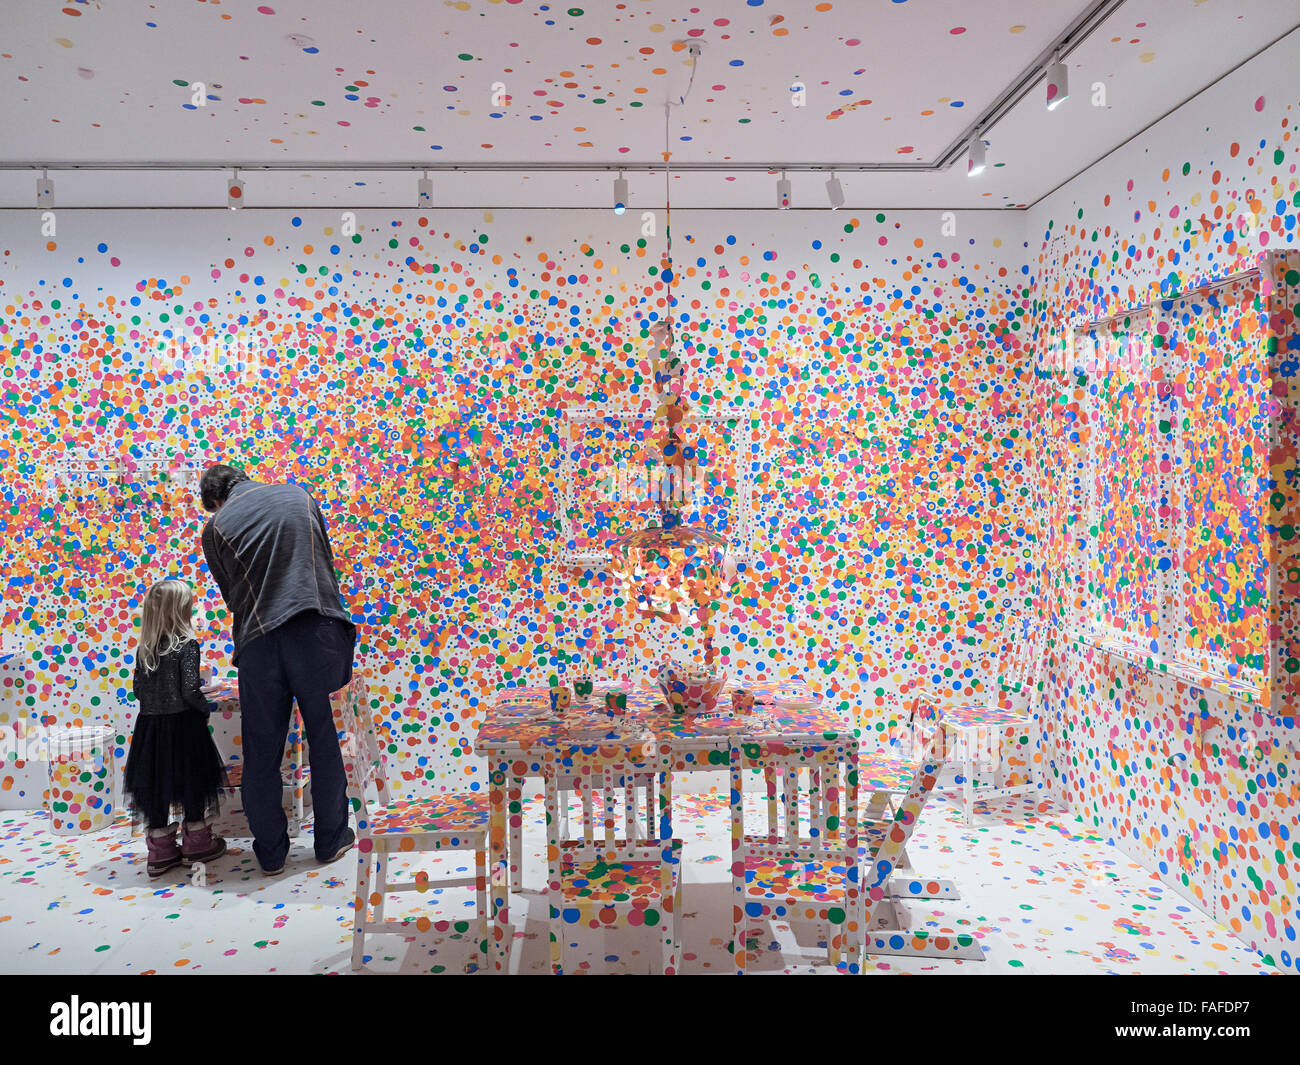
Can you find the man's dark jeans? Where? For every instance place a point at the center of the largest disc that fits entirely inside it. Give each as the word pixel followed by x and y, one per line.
pixel 306 659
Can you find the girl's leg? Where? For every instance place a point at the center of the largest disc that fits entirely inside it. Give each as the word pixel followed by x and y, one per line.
pixel 156 817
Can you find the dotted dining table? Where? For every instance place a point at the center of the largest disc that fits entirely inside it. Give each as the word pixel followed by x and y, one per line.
pixel 519 727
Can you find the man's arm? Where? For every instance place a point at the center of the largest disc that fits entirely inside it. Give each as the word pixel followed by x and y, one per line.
pixel 215 564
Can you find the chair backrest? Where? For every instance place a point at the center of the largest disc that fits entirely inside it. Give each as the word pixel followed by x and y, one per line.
pixel 609 768
pixel 907 815
pixel 362 760
pixel 833 764
pixel 1022 660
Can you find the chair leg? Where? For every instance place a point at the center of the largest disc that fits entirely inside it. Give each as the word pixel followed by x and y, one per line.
pixel 517 856
pixel 557 941
pixel 670 943
pixel 679 931
pixel 381 883
pixel 587 814
pixel 815 827
pixel 480 891
pixel 361 912
pixel 738 937
pixel 968 784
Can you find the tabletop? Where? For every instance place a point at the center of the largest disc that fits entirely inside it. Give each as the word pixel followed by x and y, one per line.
pixel 521 718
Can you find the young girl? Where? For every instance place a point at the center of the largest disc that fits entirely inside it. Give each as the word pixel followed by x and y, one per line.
pixel 173 761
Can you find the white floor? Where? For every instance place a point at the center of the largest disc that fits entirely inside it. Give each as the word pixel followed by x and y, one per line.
pixel 1039 893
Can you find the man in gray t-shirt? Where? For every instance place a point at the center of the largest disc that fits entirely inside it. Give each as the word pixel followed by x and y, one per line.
pixel 269 553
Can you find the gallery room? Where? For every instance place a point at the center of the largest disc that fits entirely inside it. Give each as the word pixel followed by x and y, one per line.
pixel 651 487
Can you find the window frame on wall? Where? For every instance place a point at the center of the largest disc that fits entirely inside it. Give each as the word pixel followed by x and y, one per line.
pixel 1168 638
pixel 1121 356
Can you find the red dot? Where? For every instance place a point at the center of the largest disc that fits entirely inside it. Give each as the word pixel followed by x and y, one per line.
pixel 957 29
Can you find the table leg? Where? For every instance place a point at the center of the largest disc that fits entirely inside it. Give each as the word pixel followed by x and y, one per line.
pixel 499 865
pixel 516 854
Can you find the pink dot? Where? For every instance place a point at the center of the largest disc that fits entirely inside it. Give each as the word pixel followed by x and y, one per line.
pixel 722 22
pixel 625 150
pixel 1259 104
pixel 266 10
pixel 718 88
pixel 883 241
pixel 853 42
pixel 957 29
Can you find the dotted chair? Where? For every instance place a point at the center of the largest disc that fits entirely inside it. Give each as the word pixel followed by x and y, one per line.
pixel 438 823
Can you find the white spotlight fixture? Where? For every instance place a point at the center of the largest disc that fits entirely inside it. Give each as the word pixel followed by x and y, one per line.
pixel 620 193
pixel 783 193
pixel 424 198
pixel 235 192
pixel 975 164
pixel 1058 84
pixel 835 192
pixel 44 190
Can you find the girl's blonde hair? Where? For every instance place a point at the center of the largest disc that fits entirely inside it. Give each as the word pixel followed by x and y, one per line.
pixel 166 621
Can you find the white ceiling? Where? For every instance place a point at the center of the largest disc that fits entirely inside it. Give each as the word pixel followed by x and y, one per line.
pixel 314 81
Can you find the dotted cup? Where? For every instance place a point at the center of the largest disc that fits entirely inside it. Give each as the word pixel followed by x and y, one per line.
pixel 616 703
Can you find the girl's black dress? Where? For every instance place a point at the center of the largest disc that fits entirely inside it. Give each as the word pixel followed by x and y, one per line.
pixel 173 763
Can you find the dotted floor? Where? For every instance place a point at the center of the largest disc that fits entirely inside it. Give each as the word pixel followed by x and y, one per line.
pixel 1039 892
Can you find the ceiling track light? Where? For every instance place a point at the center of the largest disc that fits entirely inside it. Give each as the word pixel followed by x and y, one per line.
pixel 424 197
pixel 975 164
pixel 620 193
pixel 783 192
pixel 1058 83
pixel 235 192
pixel 44 190
pixel 835 192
